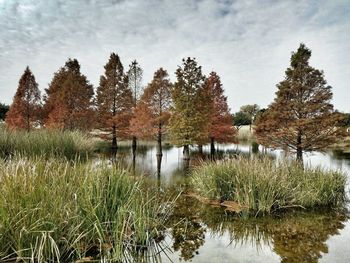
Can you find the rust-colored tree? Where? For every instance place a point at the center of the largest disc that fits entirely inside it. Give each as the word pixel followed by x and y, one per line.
pixel 69 100
pixel 221 127
pixel 114 101
pixel 25 109
pixel 152 112
pixel 135 84
pixel 301 118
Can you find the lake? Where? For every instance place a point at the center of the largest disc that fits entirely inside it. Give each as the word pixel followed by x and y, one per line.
pixel 199 233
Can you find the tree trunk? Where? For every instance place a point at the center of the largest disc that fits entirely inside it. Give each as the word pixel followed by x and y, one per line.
pixel 186 153
pixel 114 140
pixel 299 149
pixel 159 165
pixel 200 149
pixel 134 146
pixel 159 145
pixel 212 146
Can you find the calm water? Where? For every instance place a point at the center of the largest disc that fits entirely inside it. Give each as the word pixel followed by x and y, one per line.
pixel 205 234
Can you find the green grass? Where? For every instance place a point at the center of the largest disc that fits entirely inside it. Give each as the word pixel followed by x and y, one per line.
pixel 48 143
pixel 264 185
pixel 53 210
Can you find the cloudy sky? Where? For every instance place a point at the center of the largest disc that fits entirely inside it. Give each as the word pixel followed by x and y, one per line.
pixel 247 42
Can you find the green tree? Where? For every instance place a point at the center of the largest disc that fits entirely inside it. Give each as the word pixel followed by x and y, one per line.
pixel 240 119
pixel 301 118
pixel 114 101
pixel 187 124
pixel 3 110
pixel 250 110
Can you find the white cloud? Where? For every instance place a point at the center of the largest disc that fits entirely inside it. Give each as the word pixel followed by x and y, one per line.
pixel 247 42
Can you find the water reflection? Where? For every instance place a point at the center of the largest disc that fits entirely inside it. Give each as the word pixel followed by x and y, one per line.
pixel 296 236
pixel 198 232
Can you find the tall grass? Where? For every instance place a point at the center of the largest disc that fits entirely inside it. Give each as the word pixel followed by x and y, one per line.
pixel 55 211
pixel 264 185
pixel 69 145
pixel 245 134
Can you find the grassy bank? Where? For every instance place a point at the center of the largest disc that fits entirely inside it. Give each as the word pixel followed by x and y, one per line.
pixel 69 145
pixel 245 135
pixel 263 186
pixel 57 211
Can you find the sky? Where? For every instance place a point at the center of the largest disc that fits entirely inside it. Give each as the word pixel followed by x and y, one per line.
pixel 248 43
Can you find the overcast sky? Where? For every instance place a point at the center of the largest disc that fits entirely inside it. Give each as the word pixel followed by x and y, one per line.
pixel 248 43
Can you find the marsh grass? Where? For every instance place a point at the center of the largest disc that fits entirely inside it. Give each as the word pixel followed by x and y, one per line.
pixel 56 211
pixel 45 143
pixel 262 185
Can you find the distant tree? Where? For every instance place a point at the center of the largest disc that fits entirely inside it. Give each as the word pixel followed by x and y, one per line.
pixel 24 110
pixel 152 111
pixel 346 120
pixel 135 78
pixel 240 119
pixel 187 124
pixel 221 128
pixel 69 99
pixel 251 110
pixel 301 118
pixel 3 110
pixel 114 101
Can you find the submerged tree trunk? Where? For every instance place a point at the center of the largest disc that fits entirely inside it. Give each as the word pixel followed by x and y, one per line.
pixel 134 146
pixel 200 149
pixel 212 146
pixel 114 140
pixel 186 153
pixel 159 144
pixel 159 165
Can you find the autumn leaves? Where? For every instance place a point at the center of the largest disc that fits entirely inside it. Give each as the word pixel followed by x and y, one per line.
pixel 193 110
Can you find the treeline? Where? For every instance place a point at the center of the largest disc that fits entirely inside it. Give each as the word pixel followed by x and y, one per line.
pixel 193 110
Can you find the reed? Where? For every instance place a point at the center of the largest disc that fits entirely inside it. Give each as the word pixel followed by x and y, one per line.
pixel 56 211
pixel 48 143
pixel 262 185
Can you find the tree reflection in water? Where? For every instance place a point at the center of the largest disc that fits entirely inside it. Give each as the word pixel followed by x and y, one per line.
pixel 296 236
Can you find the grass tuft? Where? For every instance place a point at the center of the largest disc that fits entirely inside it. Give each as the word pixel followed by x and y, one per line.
pixel 264 185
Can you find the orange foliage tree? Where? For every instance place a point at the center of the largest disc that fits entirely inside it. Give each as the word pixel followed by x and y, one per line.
pixel 135 78
pixel 24 111
pixel 114 101
pixel 221 127
pixel 69 100
pixel 152 112
pixel 301 118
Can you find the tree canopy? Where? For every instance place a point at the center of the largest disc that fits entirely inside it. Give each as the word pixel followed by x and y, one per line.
pixel 187 124
pixel 69 99
pixel 114 100
pixel 24 110
pixel 301 118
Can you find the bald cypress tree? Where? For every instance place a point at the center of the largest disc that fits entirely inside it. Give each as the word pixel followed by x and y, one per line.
pixel 220 119
pixel 187 125
pixel 135 73
pixel 301 118
pixel 69 100
pixel 24 110
pixel 114 101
